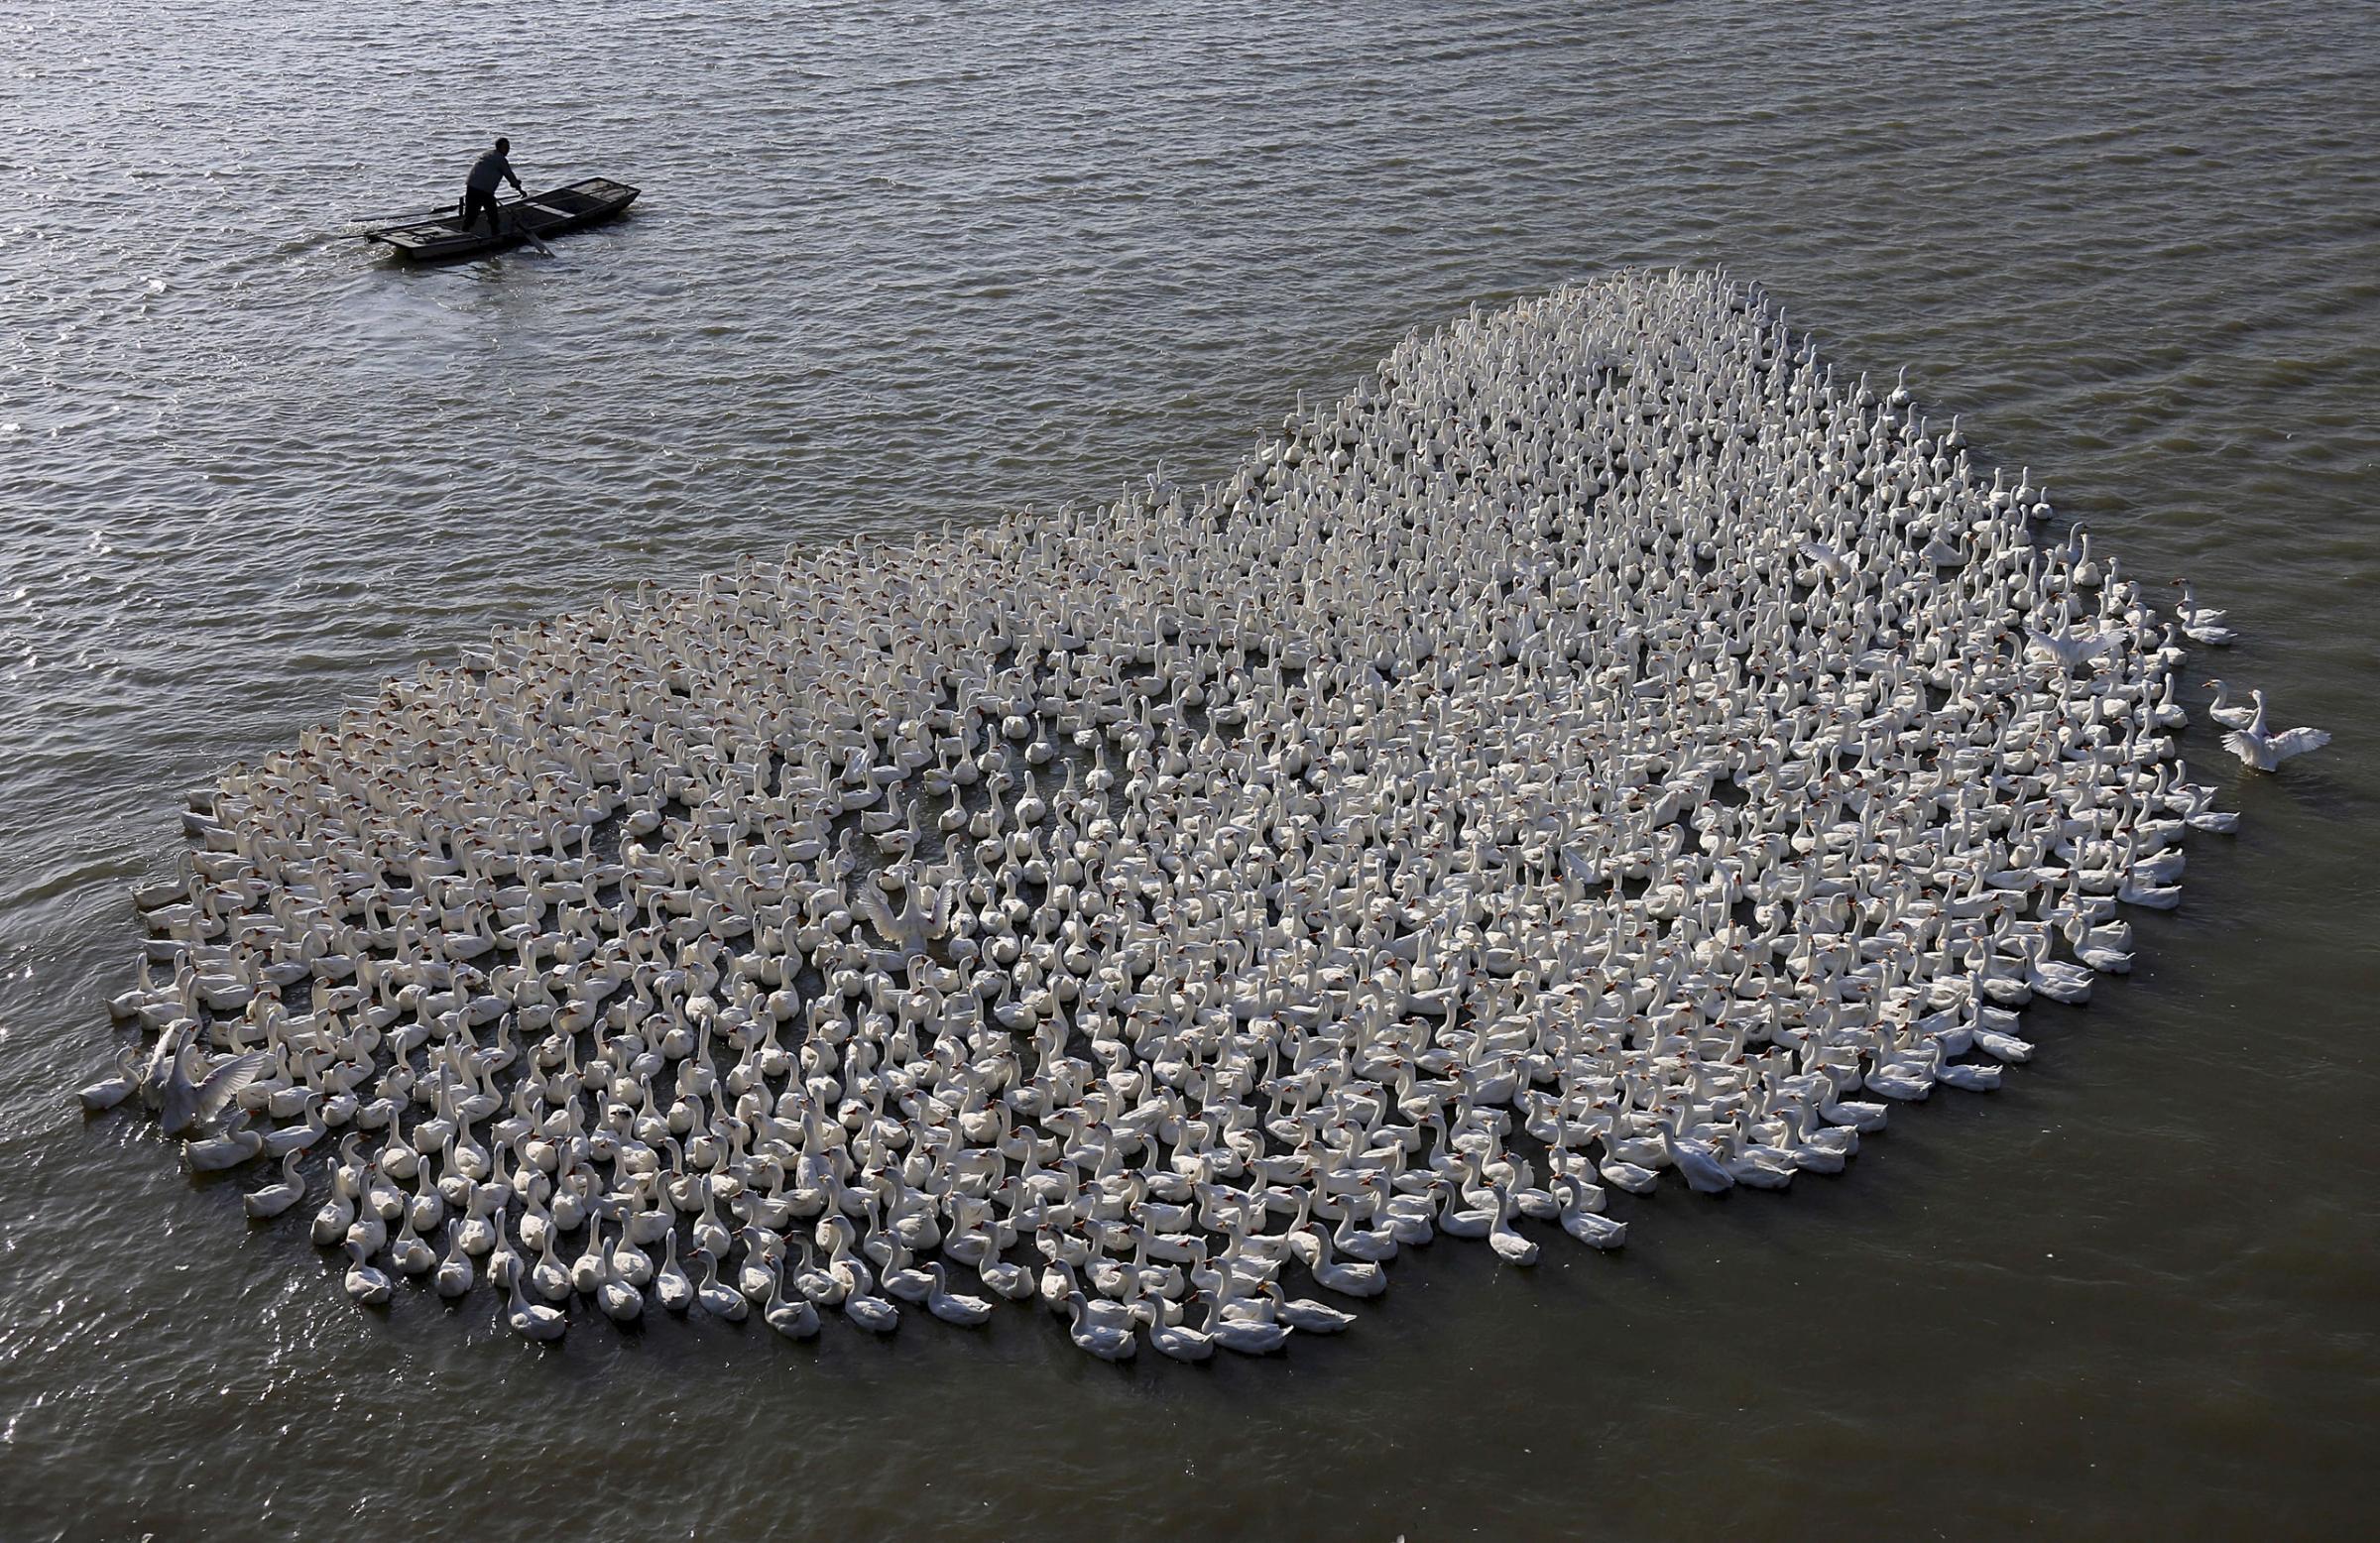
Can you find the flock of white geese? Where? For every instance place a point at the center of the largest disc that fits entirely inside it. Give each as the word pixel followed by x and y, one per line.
pixel 1605 746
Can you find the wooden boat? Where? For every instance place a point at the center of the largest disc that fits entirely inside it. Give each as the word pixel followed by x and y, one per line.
pixel 445 237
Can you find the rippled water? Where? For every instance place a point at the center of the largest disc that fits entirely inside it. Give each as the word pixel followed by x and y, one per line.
pixel 897 266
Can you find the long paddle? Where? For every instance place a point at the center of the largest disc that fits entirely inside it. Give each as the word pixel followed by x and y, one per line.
pixel 521 227
pixel 406 218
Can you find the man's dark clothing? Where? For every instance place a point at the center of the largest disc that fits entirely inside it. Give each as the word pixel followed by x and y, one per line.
pixel 479 189
pixel 476 199
pixel 489 169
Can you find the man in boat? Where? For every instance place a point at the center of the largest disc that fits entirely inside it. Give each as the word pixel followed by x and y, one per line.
pixel 479 192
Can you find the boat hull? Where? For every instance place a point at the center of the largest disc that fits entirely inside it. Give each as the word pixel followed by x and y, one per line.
pixel 445 239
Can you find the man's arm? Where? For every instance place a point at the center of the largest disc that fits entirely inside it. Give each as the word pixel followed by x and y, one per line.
pixel 514 180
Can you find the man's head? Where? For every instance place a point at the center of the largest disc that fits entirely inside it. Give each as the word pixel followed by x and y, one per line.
pixel 504 146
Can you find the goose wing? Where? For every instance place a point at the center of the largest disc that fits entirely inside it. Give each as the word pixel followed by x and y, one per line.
pixel 868 901
pixel 2070 651
pixel 2297 742
pixel 933 906
pixel 224 1083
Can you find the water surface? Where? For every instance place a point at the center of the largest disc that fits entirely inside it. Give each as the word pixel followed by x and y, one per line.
pixel 895 266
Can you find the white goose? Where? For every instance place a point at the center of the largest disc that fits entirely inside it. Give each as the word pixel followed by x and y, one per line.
pixel 273 1199
pixel 1108 1341
pixel 2260 749
pixel 533 1320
